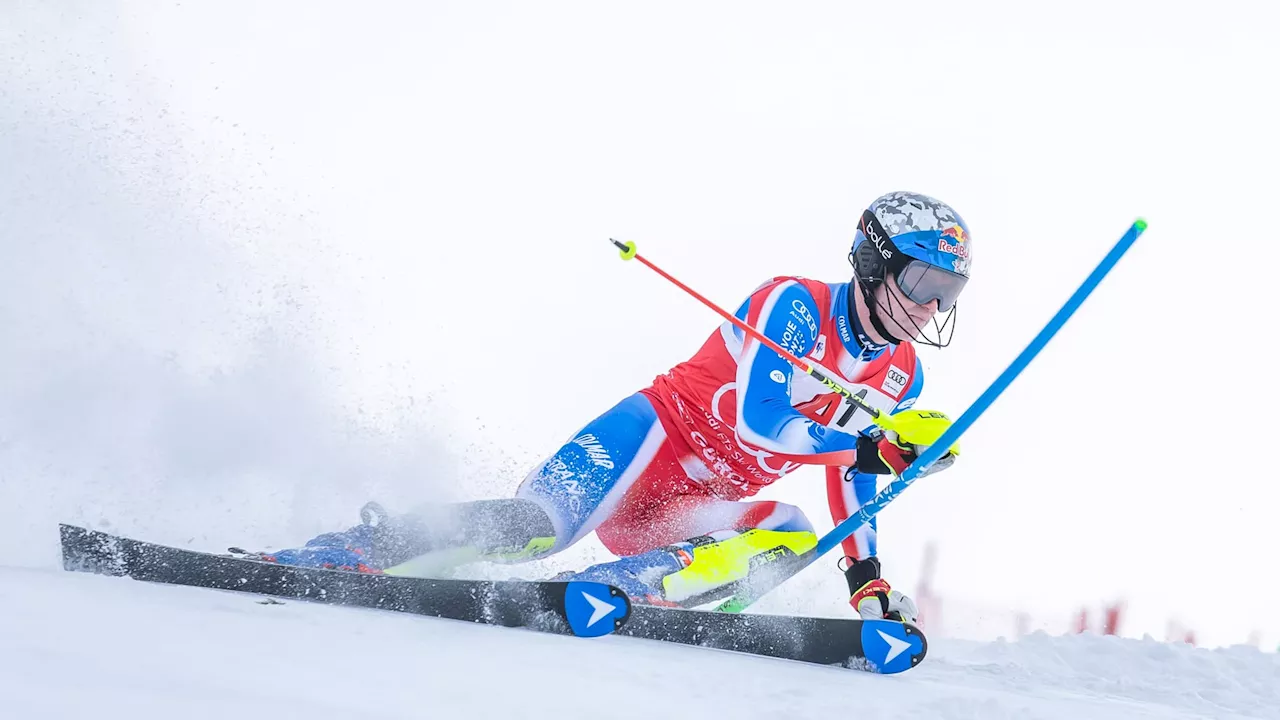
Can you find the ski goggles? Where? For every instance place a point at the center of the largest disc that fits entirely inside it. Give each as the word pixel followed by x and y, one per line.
pixel 922 283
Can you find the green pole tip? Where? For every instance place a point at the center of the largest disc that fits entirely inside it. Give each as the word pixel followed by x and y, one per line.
pixel 1140 224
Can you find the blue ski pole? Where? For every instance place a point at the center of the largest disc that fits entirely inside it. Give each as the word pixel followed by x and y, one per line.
pixel 755 591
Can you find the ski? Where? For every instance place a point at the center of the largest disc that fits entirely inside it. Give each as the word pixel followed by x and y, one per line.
pixel 585 609
pixel 879 646
pixel 572 607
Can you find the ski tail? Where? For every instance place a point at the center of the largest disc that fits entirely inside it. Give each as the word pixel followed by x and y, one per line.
pixel 581 608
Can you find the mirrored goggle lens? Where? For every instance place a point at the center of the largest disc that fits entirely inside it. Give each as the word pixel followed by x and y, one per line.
pixel 922 282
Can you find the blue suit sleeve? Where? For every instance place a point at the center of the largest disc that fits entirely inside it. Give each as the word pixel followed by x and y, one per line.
pixel 788 316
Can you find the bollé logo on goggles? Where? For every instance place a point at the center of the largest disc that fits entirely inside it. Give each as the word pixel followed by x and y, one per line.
pixel 959 248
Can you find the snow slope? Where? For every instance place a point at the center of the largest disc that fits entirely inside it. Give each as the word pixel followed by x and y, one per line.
pixel 224 228
pixel 75 645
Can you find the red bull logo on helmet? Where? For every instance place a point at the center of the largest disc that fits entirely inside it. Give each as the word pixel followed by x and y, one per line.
pixel 959 248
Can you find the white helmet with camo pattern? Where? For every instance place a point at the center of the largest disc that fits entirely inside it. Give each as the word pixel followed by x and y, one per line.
pixel 924 245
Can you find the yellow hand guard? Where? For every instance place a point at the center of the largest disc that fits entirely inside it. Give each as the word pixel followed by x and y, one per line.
pixel 913 432
pixel 918 429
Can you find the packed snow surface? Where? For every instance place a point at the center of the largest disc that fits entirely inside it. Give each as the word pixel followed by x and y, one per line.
pixel 78 646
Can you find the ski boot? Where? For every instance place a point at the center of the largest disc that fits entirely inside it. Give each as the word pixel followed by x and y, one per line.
pixel 347 550
pixel 699 570
pixel 639 576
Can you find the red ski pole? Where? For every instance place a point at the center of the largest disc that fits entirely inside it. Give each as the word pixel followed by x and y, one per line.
pixel 883 420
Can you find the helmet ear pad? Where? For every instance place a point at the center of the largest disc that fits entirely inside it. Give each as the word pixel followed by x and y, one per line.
pixel 874 254
pixel 868 265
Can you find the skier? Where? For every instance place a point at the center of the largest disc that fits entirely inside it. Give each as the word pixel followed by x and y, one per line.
pixel 662 477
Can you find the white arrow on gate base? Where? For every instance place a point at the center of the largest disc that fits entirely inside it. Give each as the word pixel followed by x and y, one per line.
pixel 896 646
pixel 600 608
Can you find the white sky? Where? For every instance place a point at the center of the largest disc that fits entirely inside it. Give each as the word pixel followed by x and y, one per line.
pixel 243 243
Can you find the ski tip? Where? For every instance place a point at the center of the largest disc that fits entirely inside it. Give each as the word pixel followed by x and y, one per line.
pixel 1140 224
pixel 594 609
pixel 891 647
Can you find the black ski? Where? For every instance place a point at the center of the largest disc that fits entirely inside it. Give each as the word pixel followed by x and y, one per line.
pixel 875 645
pixel 579 608
pixel 882 646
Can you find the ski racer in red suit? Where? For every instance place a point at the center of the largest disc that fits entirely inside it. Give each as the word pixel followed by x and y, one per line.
pixel 664 477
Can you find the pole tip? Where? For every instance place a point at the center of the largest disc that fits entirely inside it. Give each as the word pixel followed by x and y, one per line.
pixel 1140 224
pixel 626 249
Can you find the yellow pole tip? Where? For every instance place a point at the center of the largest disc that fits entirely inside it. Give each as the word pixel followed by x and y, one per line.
pixel 629 251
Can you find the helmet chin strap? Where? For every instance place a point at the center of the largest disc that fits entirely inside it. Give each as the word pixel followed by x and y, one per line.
pixel 874 316
pixel 873 312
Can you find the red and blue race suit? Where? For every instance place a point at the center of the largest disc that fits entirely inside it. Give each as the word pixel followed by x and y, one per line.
pixel 677 459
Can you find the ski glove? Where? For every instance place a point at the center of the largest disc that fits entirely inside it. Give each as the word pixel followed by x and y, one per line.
pixel 872 597
pixel 892 451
